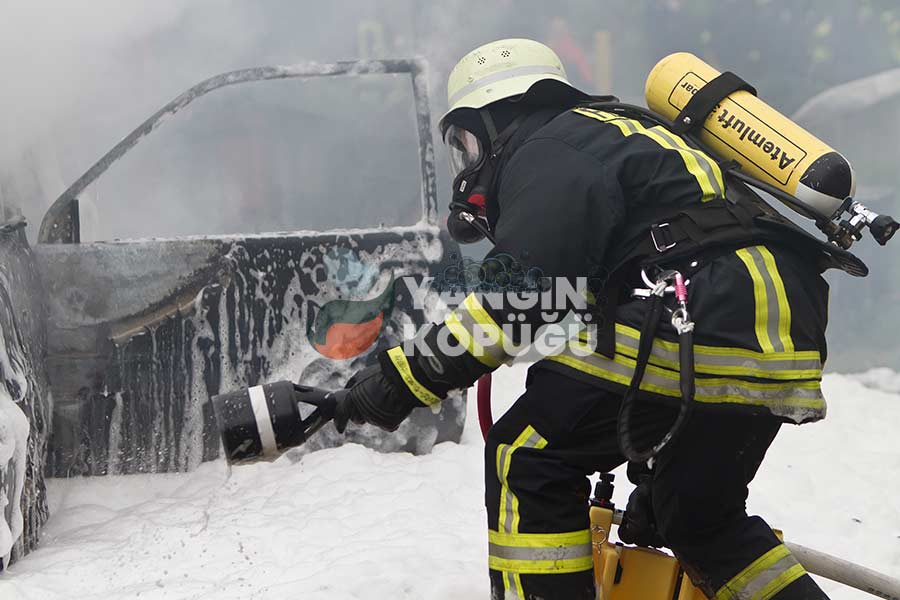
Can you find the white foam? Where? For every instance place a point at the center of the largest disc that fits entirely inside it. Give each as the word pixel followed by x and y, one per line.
pixel 13 448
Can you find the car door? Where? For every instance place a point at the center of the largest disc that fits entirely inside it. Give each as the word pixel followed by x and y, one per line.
pixel 319 209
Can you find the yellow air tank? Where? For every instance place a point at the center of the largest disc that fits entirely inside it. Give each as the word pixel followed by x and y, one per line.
pixel 765 143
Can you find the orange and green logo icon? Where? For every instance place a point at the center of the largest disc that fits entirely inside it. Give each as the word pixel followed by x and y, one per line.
pixel 345 328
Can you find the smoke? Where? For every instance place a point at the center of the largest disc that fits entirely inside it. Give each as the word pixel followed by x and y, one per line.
pixel 56 54
pixel 78 76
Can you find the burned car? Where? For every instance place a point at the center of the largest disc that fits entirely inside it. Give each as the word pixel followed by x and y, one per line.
pixel 124 340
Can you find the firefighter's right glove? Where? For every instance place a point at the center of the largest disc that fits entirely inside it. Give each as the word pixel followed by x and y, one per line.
pixel 638 524
pixel 372 399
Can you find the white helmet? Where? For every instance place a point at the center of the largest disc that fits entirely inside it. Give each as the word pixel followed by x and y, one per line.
pixel 496 71
pixel 499 70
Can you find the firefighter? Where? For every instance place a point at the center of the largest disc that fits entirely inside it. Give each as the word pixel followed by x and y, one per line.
pixel 573 190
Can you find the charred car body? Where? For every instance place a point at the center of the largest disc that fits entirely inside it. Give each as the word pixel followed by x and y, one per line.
pixel 134 336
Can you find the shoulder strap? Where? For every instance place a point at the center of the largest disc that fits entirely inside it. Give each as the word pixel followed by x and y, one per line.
pixel 712 228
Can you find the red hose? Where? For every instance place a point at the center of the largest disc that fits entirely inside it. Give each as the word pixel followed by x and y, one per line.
pixel 485 418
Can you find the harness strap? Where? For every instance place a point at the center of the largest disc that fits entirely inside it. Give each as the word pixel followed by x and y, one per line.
pixel 695 230
pixel 623 424
pixel 698 232
pixel 685 380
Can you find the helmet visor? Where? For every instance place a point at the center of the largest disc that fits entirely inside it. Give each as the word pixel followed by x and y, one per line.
pixel 463 148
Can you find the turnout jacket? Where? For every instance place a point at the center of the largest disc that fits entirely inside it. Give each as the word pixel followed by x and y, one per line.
pixel 576 191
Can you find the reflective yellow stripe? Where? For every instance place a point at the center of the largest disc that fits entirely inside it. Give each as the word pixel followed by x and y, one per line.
pixel 690 161
pixel 471 318
pixel 540 552
pixel 746 370
pixel 505 514
pixel 508 513
pixel 761 301
pixel 784 308
pixel 545 567
pixel 716 360
pixel 481 316
pixel 539 540
pixel 712 165
pixel 733 589
pixel 421 392
pixel 764 577
pixel 468 342
pixel 725 350
pixel 612 121
pixel 504 460
pixel 538 443
pixel 713 390
pixel 702 167
pixel 773 312
pixel 516 585
pixel 492 331
pixel 779 583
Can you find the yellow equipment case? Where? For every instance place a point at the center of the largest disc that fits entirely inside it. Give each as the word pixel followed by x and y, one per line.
pixel 632 573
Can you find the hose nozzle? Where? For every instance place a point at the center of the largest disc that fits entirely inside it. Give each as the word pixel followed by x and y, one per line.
pixel 262 422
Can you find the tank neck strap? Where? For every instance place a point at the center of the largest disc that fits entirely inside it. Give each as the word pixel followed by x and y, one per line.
pixel 704 101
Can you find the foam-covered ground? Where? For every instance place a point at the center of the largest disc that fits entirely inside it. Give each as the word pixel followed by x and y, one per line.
pixel 351 523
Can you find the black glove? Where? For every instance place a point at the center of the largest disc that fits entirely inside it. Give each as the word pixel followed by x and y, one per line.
pixel 372 399
pixel 638 524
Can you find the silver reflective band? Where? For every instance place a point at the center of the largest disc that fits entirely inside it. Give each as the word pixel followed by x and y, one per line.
pixel 537 554
pixel 502 76
pixel 766 579
pixel 263 420
pixel 718 389
pixel 758 366
pixel 485 336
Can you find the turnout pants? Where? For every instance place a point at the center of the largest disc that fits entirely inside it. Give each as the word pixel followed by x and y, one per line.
pixel 537 460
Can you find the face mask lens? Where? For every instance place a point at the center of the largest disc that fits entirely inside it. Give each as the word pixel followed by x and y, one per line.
pixel 463 148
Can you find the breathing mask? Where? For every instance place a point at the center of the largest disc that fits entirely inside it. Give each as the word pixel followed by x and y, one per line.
pixel 467 222
pixel 472 166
